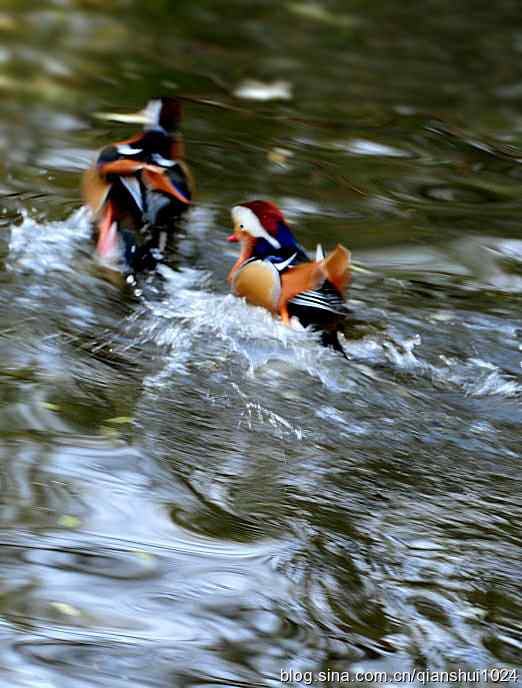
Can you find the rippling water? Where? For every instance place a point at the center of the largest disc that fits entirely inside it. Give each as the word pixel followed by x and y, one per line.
pixel 191 493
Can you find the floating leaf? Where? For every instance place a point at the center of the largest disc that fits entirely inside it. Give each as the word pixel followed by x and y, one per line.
pixel 51 407
pixel 7 83
pixel 7 22
pixel 120 420
pixel 68 521
pixel 65 608
pixel 279 156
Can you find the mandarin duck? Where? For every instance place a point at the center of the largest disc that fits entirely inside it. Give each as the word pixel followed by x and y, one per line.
pixel 274 271
pixel 138 188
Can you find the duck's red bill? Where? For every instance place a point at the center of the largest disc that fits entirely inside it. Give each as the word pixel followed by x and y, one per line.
pixel 232 237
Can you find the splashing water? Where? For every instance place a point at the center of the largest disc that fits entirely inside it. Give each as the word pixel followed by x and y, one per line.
pixel 45 247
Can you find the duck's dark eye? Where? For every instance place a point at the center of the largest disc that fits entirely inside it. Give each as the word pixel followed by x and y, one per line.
pixel 241 226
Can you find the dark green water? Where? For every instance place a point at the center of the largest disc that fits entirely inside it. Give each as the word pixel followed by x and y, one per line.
pixel 192 494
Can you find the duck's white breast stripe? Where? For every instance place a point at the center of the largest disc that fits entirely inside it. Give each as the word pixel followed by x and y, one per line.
pixel 125 149
pixel 281 266
pixel 163 162
pixel 133 187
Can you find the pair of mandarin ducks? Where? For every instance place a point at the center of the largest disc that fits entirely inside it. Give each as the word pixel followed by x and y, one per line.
pixel 139 189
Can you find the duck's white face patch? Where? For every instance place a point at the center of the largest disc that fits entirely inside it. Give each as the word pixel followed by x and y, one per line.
pixel 247 221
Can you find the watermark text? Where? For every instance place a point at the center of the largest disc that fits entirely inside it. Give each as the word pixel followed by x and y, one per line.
pixel 421 677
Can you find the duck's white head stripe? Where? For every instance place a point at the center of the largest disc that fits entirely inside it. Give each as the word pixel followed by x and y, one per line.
pixel 152 113
pixel 249 222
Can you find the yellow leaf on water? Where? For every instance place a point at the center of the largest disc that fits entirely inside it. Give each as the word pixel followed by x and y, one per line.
pixel 7 83
pixel 65 608
pixel 7 22
pixel 51 407
pixel 120 420
pixel 68 521
pixel 279 156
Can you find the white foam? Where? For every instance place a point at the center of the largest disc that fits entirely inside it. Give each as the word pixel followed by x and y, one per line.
pixel 366 147
pixel 45 247
pixel 193 323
